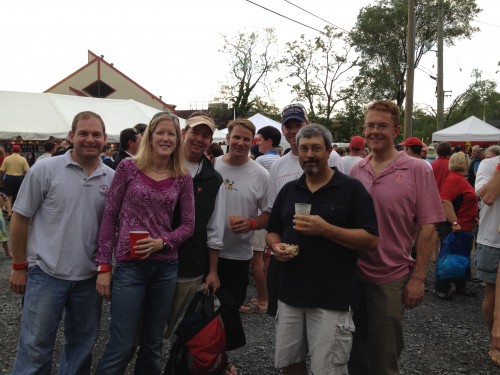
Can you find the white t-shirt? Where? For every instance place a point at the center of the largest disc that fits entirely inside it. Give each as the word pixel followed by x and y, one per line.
pixel 284 170
pixel 348 162
pixel 334 161
pixel 489 216
pixel 245 193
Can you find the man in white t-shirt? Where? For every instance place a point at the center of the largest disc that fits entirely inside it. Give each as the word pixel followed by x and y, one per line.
pixel 488 240
pixel 286 169
pixel 356 148
pixel 335 161
pixel 245 183
pixel 268 139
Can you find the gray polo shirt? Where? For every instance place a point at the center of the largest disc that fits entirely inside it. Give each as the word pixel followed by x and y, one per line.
pixel 65 206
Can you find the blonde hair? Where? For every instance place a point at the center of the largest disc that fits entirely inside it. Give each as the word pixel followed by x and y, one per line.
pixel 247 124
pixel 144 157
pixel 458 162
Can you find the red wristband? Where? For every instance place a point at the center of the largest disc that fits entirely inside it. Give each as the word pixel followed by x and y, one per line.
pixel 253 224
pixel 20 266
pixel 498 167
pixel 103 268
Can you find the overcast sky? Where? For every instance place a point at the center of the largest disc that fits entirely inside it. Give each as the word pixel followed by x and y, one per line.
pixel 171 48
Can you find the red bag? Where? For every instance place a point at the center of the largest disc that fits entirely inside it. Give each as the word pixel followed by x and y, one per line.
pixel 200 346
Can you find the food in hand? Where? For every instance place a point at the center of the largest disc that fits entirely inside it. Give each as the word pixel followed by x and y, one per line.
pixel 292 249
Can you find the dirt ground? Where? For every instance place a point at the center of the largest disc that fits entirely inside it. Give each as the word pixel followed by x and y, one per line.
pixel 442 337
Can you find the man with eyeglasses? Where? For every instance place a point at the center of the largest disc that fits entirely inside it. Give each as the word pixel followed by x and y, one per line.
pixel 317 285
pixel 408 208
pixel 130 140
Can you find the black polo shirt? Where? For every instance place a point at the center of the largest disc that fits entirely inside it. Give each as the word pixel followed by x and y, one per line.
pixel 323 275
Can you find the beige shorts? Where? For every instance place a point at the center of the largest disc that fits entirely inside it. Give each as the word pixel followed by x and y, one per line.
pixel 325 334
pixel 259 240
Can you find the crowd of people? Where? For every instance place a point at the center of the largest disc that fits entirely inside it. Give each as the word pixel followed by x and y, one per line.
pixel 171 214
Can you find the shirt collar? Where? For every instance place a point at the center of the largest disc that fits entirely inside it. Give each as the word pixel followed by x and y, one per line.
pixel 271 152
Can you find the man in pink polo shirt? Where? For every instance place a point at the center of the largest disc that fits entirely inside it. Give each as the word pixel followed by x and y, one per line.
pixel 408 207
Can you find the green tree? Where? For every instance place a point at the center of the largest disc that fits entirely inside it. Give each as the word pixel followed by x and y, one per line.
pixel 380 37
pixel 351 119
pixel 317 67
pixel 424 124
pixel 480 99
pixel 252 59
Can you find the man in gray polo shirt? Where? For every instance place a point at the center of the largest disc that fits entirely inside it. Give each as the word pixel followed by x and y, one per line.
pixel 59 209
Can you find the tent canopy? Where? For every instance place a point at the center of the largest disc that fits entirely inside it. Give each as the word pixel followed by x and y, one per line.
pixel 260 121
pixel 468 130
pixel 37 116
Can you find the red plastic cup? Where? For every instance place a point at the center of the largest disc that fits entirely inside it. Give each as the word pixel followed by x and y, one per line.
pixel 135 236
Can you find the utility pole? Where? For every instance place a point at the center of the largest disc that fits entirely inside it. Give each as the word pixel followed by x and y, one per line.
pixel 440 82
pixel 410 69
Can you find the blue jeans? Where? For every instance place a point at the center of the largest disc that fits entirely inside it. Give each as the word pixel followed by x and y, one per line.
pixel 141 294
pixel 45 299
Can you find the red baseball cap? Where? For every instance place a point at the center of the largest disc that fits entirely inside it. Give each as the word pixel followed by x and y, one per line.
pixel 357 142
pixel 413 141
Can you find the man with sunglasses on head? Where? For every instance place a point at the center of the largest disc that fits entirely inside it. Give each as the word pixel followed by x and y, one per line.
pixel 130 140
pixel 408 208
pixel 198 256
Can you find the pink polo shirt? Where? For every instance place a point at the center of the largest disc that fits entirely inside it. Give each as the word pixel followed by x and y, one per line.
pixel 405 195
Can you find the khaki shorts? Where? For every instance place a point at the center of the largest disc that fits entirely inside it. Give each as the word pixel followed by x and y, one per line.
pixel 259 240
pixel 487 259
pixel 325 334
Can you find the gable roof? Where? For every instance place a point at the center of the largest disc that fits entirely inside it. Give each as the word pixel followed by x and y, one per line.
pixel 93 59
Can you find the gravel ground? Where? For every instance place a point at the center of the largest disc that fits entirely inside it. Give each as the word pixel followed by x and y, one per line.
pixel 442 337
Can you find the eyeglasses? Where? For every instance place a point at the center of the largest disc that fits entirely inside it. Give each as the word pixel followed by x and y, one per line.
pixel 315 149
pixel 379 127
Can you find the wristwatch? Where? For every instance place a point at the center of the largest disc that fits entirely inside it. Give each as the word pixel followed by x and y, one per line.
pixel 454 224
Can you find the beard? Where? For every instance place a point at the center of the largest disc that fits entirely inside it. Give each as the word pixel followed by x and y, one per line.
pixel 311 167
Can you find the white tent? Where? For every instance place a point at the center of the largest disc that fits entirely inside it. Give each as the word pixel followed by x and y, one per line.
pixel 468 130
pixel 219 135
pixel 37 116
pixel 260 121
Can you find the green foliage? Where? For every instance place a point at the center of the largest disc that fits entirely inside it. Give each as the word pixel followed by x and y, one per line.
pixel 423 124
pixel 317 66
pixel 351 119
pixel 380 38
pixel 480 99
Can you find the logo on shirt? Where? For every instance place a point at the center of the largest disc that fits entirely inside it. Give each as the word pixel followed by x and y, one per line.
pixel 103 190
pixel 229 185
pixel 398 178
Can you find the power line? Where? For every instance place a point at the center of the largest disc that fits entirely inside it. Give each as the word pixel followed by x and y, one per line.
pixel 430 75
pixel 487 23
pixel 312 14
pixel 281 15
